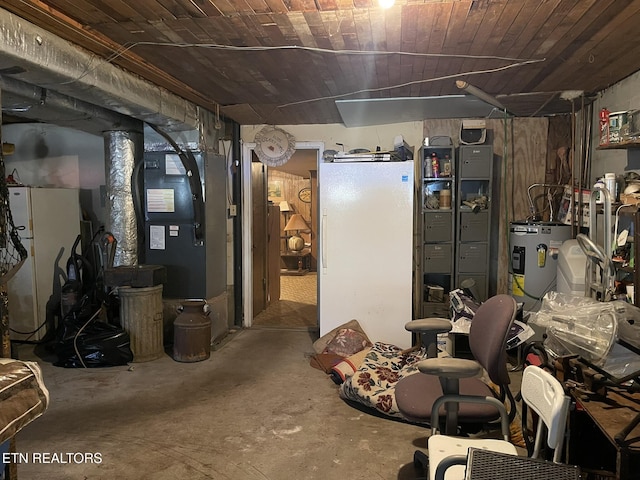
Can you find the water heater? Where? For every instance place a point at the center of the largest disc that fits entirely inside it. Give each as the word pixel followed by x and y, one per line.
pixel 533 255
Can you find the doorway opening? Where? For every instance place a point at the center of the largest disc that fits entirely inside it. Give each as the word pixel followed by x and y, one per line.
pixel 279 273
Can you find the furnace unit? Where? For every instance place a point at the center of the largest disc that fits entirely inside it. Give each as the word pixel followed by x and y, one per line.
pixel 192 249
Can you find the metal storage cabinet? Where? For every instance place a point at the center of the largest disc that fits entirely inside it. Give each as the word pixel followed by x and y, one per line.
pixel 436 263
pixel 472 257
pixel 438 258
pixel 475 161
pixel 474 227
pixel 473 216
pixel 438 226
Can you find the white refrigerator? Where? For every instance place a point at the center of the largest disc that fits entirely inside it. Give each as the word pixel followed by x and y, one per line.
pixel 48 221
pixel 365 251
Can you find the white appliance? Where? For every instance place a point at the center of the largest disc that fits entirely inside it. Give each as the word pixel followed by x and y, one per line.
pixel 572 267
pixel 365 249
pixel 48 220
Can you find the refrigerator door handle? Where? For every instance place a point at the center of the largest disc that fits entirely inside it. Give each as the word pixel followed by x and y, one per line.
pixel 324 240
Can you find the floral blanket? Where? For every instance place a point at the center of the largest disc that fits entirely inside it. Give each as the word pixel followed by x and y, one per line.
pixel 373 383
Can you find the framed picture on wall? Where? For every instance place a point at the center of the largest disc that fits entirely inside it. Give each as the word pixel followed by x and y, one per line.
pixel 274 191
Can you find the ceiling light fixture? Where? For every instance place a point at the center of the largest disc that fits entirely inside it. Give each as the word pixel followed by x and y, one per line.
pixel 386 3
pixel 476 92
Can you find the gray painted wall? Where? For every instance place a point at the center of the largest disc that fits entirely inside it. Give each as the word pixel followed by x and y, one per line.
pixel 52 156
pixel 622 96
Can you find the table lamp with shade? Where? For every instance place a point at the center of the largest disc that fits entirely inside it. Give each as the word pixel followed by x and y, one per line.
pixel 296 223
pixel 286 209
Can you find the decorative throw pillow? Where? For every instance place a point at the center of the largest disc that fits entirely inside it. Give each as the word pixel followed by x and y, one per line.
pixel 347 342
pixel 320 345
pixel 325 361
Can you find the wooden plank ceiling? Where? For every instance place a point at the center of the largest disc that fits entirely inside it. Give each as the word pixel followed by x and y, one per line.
pixel 287 61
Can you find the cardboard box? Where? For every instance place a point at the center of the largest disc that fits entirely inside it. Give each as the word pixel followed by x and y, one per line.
pixel 616 121
pixel 435 293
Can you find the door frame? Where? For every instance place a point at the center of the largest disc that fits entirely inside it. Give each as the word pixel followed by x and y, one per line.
pixel 247 223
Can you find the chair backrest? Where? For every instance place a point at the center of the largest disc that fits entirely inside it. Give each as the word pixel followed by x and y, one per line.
pixel 488 336
pixel 544 394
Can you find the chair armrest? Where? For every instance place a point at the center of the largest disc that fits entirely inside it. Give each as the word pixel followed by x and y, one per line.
pixel 426 325
pixel 450 367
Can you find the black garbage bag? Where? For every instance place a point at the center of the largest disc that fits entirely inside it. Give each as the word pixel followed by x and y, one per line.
pixel 92 344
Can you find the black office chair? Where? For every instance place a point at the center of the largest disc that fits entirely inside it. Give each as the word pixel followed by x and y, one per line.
pixel 417 393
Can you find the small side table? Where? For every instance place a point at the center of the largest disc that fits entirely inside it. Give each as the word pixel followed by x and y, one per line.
pixel 296 263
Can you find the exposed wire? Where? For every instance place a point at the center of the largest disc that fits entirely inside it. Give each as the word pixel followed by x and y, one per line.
pixel 217 46
pixel 415 82
pixel 126 47
pixel 518 62
pixel 75 337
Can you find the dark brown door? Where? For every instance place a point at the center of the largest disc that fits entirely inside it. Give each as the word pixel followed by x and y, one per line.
pixel 273 247
pixel 259 236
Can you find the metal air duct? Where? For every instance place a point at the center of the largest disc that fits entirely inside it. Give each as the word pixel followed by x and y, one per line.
pixel 121 152
pixel 35 103
pixel 35 56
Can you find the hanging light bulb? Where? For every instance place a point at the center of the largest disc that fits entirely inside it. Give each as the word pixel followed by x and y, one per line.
pixel 386 3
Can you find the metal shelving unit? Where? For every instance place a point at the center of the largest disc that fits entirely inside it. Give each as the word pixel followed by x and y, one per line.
pixel 438 229
pixel 473 216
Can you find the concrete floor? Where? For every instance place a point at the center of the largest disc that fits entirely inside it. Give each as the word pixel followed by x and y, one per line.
pixel 255 410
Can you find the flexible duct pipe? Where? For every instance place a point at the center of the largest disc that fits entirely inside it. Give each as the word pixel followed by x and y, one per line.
pixel 46 60
pixel 122 150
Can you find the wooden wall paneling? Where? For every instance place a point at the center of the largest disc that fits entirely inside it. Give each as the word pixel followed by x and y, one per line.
pixel 417 235
pixel 526 151
pixel 558 148
pixel 502 205
pixel 443 127
pixel 290 186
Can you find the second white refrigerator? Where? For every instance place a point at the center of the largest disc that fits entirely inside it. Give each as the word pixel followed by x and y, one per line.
pixel 48 220
pixel 365 251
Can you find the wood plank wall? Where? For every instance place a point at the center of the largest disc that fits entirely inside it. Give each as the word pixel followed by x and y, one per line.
pixel 521 162
pixel 291 185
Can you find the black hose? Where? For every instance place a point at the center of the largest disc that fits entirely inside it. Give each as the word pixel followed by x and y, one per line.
pixel 193 175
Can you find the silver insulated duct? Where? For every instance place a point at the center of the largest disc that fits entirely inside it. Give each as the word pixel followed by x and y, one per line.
pixel 121 151
pixel 34 56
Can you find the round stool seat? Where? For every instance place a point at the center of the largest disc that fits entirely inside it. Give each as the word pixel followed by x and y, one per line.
pixel 429 325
